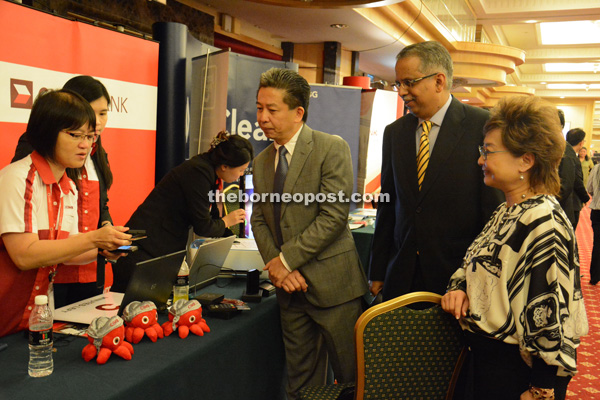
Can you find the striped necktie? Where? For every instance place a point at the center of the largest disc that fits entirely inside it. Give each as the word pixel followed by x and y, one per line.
pixel 423 155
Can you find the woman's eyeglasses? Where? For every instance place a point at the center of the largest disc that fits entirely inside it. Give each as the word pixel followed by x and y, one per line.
pixel 81 137
pixel 483 152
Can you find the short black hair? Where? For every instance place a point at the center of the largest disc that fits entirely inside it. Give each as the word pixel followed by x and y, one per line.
pixel 561 117
pixel 575 136
pixel 297 89
pixel 52 112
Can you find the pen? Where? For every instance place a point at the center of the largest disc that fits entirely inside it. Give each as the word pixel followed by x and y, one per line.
pixel 3 346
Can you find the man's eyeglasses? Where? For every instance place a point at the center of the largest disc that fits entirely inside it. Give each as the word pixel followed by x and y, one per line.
pixel 81 137
pixel 483 152
pixel 409 83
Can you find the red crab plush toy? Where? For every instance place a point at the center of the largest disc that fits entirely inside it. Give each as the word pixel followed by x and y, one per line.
pixel 186 316
pixel 106 337
pixel 140 318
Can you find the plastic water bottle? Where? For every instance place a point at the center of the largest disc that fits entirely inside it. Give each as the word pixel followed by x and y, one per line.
pixel 181 289
pixel 40 338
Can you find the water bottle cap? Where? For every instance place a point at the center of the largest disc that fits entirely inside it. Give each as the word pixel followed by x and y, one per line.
pixel 41 300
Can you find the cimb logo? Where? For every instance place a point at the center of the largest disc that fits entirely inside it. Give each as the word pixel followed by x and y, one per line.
pixel 21 93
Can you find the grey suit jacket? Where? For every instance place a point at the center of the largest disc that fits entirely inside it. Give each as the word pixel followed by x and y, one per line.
pixel 316 237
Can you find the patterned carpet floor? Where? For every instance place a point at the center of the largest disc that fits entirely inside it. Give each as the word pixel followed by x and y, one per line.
pixel 586 385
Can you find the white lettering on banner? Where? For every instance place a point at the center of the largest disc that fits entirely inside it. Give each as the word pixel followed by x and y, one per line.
pixel 244 127
pixel 133 105
pixel 314 94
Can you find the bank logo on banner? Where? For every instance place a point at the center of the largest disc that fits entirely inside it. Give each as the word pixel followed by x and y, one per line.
pixel 21 93
pixel 132 105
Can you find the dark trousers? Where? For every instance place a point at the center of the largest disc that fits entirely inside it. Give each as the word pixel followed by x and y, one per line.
pixel 595 264
pixel 497 371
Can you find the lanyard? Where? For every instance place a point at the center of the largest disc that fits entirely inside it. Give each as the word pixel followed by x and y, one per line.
pixel 53 225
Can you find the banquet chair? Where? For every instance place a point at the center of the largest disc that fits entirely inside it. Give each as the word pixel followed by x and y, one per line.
pixel 229 206
pixel 402 353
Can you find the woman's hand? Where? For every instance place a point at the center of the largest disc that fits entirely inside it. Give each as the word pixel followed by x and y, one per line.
pixel 235 217
pixel 526 395
pixel 110 237
pixel 456 302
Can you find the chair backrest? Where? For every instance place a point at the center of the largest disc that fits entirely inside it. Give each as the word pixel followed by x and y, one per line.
pixel 404 353
pixel 232 192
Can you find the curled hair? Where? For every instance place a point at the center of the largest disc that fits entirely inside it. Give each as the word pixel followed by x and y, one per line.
pixel 434 58
pixel 230 150
pixel 531 125
pixel 297 89
pixel 52 112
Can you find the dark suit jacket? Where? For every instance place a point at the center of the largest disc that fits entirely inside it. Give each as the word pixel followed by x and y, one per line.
pixel 179 201
pixel 440 221
pixel 572 190
pixel 316 237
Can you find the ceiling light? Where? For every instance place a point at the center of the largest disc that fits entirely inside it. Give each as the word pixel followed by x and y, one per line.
pixel 542 83
pixel 572 86
pixel 571 67
pixel 531 21
pixel 570 32
pixel 339 26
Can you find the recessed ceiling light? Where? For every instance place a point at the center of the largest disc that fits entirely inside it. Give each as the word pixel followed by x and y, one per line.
pixel 571 67
pixel 339 26
pixel 542 83
pixel 572 86
pixel 570 32
pixel 531 21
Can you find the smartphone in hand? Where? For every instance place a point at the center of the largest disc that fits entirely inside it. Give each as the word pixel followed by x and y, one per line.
pixel 137 234
pixel 124 249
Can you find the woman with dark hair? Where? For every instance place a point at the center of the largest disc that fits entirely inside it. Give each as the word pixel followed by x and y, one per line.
pixel 518 293
pixel 38 204
pixel 182 199
pixel 586 164
pixel 74 283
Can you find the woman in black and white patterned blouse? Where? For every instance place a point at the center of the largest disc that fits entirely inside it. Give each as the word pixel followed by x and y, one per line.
pixel 518 293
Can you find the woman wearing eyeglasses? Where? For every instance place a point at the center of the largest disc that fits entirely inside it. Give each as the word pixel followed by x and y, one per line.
pixel 38 205
pixel 74 283
pixel 518 293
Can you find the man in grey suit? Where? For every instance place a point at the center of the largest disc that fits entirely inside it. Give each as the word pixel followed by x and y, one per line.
pixel 307 247
pixel 438 207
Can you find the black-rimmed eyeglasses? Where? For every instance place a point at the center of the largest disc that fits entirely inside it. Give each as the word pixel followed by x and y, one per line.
pixel 409 83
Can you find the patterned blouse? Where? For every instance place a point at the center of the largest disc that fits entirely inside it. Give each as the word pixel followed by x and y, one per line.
pixel 521 275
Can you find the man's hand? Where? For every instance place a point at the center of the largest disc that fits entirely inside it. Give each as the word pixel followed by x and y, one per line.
pixel 456 302
pixel 294 282
pixel 277 271
pixel 375 287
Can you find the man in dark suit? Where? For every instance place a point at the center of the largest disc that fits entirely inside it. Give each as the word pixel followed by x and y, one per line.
pixel 307 247
pixel 572 194
pixel 436 209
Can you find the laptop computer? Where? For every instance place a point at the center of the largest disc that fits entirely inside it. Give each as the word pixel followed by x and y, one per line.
pixel 151 280
pixel 208 260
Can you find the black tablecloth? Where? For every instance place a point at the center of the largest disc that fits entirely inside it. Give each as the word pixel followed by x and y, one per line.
pixel 241 358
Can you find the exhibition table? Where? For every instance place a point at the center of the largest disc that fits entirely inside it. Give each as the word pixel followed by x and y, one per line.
pixel 240 358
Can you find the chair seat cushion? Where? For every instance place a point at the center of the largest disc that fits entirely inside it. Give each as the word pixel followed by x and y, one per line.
pixel 324 392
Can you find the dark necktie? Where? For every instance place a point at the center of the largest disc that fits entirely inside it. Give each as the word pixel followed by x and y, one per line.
pixel 423 156
pixel 280 173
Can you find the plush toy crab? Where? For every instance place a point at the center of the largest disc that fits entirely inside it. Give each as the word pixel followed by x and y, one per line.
pixel 186 316
pixel 106 337
pixel 140 318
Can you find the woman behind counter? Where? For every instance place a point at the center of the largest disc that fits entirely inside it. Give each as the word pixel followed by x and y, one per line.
pixel 38 204
pixel 181 200
pixel 518 293
pixel 78 282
